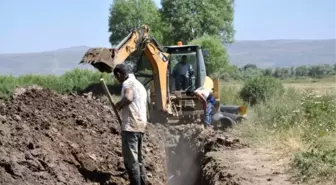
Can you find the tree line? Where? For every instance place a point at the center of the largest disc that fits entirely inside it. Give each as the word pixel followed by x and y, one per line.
pixel 312 71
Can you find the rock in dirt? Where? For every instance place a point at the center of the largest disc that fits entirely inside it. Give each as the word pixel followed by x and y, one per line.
pixel 48 139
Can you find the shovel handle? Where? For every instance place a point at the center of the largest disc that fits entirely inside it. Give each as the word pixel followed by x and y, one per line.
pixel 107 92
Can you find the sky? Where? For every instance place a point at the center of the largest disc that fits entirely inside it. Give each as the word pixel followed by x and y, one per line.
pixel 43 25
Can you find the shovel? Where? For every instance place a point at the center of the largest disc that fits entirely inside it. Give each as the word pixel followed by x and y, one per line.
pixel 107 92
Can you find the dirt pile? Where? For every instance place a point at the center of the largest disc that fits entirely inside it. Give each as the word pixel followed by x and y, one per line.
pixel 46 138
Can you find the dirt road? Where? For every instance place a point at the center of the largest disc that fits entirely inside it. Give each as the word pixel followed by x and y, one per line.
pixel 247 166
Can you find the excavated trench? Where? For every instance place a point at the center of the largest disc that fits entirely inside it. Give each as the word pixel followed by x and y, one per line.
pixel 184 157
pixel 188 159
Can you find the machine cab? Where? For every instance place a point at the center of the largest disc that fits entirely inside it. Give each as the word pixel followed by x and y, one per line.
pixel 186 69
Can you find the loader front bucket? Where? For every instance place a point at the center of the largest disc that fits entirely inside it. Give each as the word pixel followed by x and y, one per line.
pixel 100 58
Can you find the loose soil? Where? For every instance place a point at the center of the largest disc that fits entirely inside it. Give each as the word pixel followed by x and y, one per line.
pixel 47 138
pixel 244 166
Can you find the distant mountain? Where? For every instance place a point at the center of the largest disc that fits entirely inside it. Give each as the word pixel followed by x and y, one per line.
pixel 49 62
pixel 280 53
pixel 270 53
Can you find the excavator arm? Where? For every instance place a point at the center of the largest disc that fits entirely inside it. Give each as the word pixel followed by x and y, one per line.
pixel 105 60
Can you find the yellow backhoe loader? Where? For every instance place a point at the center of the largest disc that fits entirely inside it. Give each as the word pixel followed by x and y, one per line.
pixel 156 66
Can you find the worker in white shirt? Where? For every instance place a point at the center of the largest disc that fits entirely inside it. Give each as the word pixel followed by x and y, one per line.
pixel 134 120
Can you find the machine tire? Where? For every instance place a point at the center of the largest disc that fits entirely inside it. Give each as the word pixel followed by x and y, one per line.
pixel 224 123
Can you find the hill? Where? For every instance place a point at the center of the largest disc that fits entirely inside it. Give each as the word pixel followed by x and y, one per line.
pixel 48 62
pixel 280 53
pixel 270 53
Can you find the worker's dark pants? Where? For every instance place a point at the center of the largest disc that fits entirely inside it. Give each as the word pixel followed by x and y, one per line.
pixel 133 160
pixel 181 82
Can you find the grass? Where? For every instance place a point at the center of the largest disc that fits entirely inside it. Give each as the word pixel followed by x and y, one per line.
pixel 297 124
pixel 320 86
pixel 301 126
pixel 75 81
pixel 230 95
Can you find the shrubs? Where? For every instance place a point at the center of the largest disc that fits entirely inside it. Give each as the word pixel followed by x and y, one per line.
pixel 319 132
pixel 298 124
pixel 77 80
pixel 302 122
pixel 259 89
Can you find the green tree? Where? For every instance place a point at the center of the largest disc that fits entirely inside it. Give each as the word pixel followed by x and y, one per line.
pixel 292 71
pixel 268 72
pixel 301 71
pixel 190 19
pixel 217 62
pixel 126 15
pixel 252 66
pixel 282 73
pixel 320 70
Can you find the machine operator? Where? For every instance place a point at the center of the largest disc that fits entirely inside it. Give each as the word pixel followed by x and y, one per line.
pixel 182 73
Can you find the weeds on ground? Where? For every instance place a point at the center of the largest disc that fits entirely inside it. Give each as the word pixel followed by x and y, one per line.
pixel 299 125
pixel 230 95
pixel 77 80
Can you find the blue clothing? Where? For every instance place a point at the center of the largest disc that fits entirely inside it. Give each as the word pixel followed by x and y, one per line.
pixel 211 102
pixel 211 99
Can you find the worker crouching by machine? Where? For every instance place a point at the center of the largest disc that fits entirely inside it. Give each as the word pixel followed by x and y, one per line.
pixel 209 103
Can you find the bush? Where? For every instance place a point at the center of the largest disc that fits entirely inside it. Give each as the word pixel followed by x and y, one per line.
pixel 258 89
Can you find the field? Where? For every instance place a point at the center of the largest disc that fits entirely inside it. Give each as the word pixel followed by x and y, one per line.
pixel 319 86
pixel 319 89
pixel 291 137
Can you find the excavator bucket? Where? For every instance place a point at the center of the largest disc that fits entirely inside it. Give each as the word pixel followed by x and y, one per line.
pixel 100 58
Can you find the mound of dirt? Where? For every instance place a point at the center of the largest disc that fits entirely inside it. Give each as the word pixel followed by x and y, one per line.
pixel 47 138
